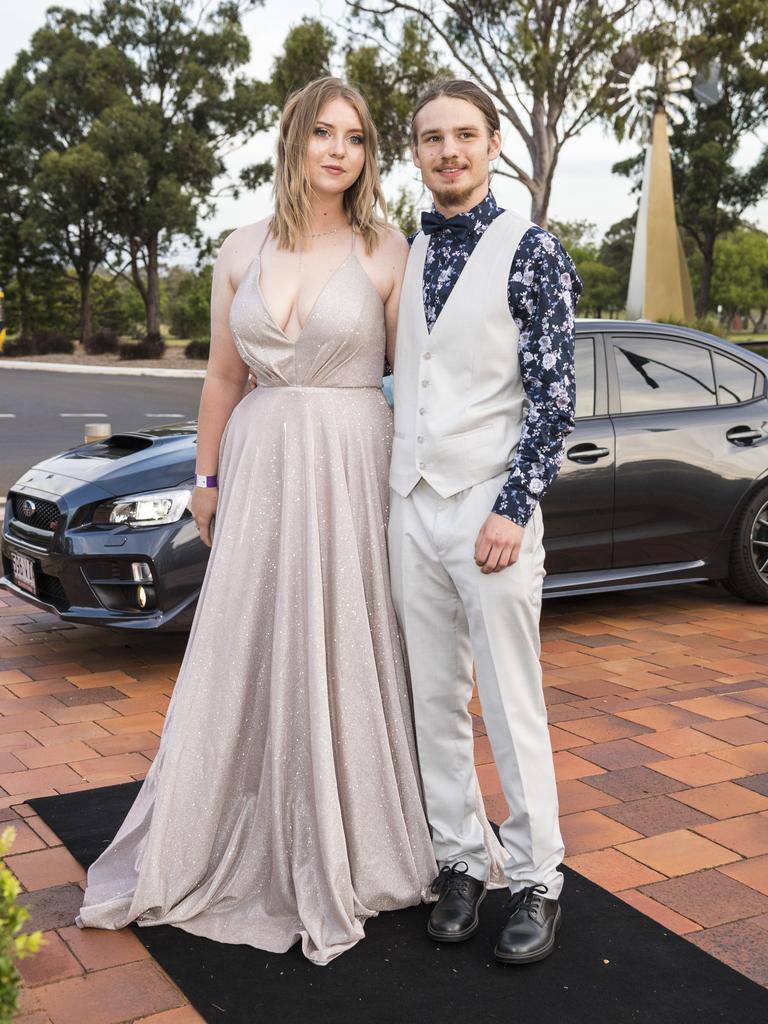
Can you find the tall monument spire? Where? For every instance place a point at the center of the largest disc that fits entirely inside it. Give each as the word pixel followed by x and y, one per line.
pixel 659 281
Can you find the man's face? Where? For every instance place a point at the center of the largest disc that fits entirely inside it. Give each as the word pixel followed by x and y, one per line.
pixel 453 151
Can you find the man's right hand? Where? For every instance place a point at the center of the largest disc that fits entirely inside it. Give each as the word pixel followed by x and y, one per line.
pixel 203 509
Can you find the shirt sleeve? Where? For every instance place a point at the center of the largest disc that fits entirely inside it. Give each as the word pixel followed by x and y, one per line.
pixel 543 291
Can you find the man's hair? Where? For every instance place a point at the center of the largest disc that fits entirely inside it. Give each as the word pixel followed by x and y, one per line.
pixel 461 89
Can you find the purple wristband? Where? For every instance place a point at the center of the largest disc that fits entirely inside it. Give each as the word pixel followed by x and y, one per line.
pixel 206 481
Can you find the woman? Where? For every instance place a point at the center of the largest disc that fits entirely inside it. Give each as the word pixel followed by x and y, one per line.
pixel 284 802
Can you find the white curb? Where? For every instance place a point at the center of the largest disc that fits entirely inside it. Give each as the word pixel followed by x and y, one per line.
pixel 127 371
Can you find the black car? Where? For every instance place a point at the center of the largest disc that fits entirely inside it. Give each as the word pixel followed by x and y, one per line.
pixel 665 480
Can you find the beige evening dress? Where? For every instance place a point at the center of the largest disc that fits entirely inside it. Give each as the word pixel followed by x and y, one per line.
pixel 284 802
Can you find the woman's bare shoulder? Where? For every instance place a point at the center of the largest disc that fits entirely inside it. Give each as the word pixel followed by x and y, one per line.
pixel 243 242
pixel 393 240
pixel 238 250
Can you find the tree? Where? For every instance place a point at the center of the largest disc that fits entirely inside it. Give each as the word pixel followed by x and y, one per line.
pixel 181 106
pixel 616 252
pixel 55 92
pixel 21 262
pixel 307 54
pixel 711 190
pixel 188 294
pixel 740 278
pixel 390 84
pixel 548 64
pixel 602 282
pixel 712 193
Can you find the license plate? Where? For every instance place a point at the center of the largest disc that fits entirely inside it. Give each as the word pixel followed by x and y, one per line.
pixel 24 572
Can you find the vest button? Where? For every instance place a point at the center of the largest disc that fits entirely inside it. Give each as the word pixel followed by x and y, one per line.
pixel 422 411
pixel 427 355
pixel 420 439
pixel 425 383
pixel 422 465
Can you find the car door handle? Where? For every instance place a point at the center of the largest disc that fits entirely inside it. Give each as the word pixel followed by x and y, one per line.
pixel 743 435
pixel 587 453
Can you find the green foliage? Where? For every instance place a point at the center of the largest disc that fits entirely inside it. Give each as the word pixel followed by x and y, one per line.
pixel 306 55
pixel 13 946
pixel 712 187
pixel 740 280
pixel 575 234
pixel 150 347
pixel 605 286
pixel 708 324
pixel 188 303
pixel 113 126
pixel 548 66
pixel 53 304
pixel 391 83
pixel 102 342
pixel 402 210
pixel 603 293
pixel 197 349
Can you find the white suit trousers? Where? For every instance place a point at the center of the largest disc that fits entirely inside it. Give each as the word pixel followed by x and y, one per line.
pixel 450 612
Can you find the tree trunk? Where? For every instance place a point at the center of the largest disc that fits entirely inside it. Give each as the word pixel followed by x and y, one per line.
pixel 707 269
pixel 544 164
pixel 757 321
pixel 85 308
pixel 153 288
pixel 25 326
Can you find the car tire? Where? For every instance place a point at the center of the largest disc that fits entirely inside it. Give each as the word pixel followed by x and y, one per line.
pixel 745 580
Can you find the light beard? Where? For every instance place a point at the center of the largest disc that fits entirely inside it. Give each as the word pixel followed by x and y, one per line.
pixel 453 197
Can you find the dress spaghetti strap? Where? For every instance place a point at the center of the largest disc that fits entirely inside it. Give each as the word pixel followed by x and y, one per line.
pixel 264 241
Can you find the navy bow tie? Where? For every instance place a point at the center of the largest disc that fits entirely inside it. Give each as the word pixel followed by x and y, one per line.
pixel 460 226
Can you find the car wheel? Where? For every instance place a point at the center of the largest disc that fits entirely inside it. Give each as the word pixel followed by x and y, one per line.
pixel 748 568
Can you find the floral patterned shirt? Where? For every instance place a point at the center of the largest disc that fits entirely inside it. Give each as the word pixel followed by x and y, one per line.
pixel 542 291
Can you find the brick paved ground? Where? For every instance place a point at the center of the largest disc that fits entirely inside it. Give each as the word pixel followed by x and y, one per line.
pixel 658 704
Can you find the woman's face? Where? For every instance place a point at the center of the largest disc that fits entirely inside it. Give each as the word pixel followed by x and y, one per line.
pixel 336 148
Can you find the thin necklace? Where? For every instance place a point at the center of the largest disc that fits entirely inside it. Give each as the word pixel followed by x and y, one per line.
pixel 321 234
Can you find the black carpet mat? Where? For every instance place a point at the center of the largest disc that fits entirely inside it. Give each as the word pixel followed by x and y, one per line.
pixel 612 964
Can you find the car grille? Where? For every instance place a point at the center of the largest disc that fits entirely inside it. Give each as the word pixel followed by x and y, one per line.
pixel 50 589
pixel 36 512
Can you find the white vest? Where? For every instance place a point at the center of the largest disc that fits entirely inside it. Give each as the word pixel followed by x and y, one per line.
pixel 459 399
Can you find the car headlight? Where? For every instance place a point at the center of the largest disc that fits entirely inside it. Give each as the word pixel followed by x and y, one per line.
pixel 144 509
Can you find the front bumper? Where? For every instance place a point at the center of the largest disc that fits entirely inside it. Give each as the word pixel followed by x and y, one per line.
pixel 83 573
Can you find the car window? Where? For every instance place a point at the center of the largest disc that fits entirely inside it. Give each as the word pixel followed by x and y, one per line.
pixel 735 381
pixel 585 377
pixel 663 373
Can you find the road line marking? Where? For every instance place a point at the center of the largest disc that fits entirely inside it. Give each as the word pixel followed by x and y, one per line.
pixel 7 415
pixel 165 415
pixel 82 415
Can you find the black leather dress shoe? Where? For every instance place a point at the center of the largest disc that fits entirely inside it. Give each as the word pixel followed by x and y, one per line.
pixel 531 930
pixel 456 914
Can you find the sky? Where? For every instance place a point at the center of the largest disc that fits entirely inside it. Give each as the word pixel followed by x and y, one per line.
pixel 584 187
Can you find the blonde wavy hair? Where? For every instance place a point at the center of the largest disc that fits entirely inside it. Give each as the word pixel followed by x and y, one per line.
pixel 364 202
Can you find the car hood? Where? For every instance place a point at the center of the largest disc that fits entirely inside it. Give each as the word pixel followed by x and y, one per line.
pixel 125 463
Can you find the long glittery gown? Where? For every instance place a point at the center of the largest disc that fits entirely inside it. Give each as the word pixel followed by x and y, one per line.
pixel 284 802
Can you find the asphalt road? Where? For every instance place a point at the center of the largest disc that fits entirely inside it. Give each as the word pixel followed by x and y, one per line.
pixel 45 413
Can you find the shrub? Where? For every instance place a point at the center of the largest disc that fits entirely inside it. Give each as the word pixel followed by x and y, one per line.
pixel 188 304
pixel 198 349
pixel 151 347
pixel 12 946
pixel 710 324
pixel 47 342
pixel 103 341
pixel 21 346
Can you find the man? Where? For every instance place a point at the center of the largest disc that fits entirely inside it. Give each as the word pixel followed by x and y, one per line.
pixel 484 398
